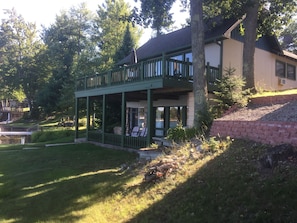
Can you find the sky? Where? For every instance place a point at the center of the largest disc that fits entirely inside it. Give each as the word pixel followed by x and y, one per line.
pixel 43 12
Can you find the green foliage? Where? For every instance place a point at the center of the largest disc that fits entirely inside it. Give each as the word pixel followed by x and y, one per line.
pixel 288 38
pixel 181 134
pixel 126 47
pixel 177 134
pixel 20 71
pixel 216 144
pixel 157 14
pixel 51 135
pixel 230 91
pixel 112 30
pixel 205 119
pixel 270 21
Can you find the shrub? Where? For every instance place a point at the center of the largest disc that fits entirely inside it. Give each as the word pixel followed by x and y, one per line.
pixel 230 91
pixel 205 121
pixel 181 134
pixel 216 144
pixel 45 136
pixel 177 134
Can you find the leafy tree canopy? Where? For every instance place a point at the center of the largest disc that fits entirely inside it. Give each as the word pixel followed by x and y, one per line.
pixel 288 38
pixel 111 31
pixel 19 52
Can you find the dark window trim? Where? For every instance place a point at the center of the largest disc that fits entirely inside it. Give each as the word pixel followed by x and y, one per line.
pixel 276 69
pixel 294 74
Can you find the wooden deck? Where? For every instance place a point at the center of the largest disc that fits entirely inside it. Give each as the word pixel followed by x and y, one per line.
pixel 145 71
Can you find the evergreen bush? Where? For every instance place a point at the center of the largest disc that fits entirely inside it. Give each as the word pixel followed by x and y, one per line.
pixel 230 91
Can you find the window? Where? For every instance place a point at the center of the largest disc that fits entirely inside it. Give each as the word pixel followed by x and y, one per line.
pixel 285 70
pixel 280 69
pixel 291 72
pixel 159 121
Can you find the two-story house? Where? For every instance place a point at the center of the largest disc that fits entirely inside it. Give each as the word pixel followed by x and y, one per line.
pixel 154 92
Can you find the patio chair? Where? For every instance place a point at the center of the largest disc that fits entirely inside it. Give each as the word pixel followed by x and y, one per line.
pixel 143 132
pixel 135 131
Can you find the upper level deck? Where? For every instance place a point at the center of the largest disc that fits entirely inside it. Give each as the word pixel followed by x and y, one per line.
pixel 155 73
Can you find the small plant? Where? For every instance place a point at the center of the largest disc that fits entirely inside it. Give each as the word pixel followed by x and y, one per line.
pixel 154 146
pixel 205 121
pixel 181 134
pixel 231 91
pixel 216 144
pixel 177 134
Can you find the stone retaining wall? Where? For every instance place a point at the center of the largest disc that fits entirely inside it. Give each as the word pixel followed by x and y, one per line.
pixel 273 133
pixel 266 132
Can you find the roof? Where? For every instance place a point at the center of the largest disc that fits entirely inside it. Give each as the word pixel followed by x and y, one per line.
pixel 290 55
pixel 179 39
pixel 215 30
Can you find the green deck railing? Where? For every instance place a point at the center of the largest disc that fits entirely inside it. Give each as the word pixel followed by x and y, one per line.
pixel 155 68
pixel 117 140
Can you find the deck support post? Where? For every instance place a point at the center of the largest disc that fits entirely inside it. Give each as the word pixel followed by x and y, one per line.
pixel 103 117
pixel 88 117
pixel 149 117
pixel 76 117
pixel 123 119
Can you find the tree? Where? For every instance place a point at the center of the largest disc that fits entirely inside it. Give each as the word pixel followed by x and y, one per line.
pixel 19 52
pixel 262 18
pixel 111 30
pixel 156 13
pixel 288 38
pixel 66 40
pixel 249 44
pixel 127 45
pixel 198 54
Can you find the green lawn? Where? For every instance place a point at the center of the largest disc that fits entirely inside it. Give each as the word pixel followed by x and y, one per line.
pixel 274 93
pixel 84 183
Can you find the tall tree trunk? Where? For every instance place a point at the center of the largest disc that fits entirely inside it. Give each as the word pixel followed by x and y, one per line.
pixel 199 78
pixel 250 36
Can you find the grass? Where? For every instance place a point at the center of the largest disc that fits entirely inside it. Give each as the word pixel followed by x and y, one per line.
pixel 274 93
pixel 84 183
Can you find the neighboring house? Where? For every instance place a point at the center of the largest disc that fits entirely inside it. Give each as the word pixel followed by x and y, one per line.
pixel 154 91
pixel 11 110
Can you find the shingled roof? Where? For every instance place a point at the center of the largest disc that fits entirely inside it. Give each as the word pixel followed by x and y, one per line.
pixel 181 39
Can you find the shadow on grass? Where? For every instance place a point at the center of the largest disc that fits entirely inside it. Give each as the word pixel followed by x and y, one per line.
pixel 56 184
pixel 230 188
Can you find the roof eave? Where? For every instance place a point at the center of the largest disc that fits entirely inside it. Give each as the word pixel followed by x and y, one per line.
pixel 227 34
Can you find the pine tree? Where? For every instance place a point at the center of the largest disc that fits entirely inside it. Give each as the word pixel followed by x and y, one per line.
pixel 127 45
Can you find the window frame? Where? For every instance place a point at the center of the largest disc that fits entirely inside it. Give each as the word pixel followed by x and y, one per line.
pixel 278 62
pixel 293 75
